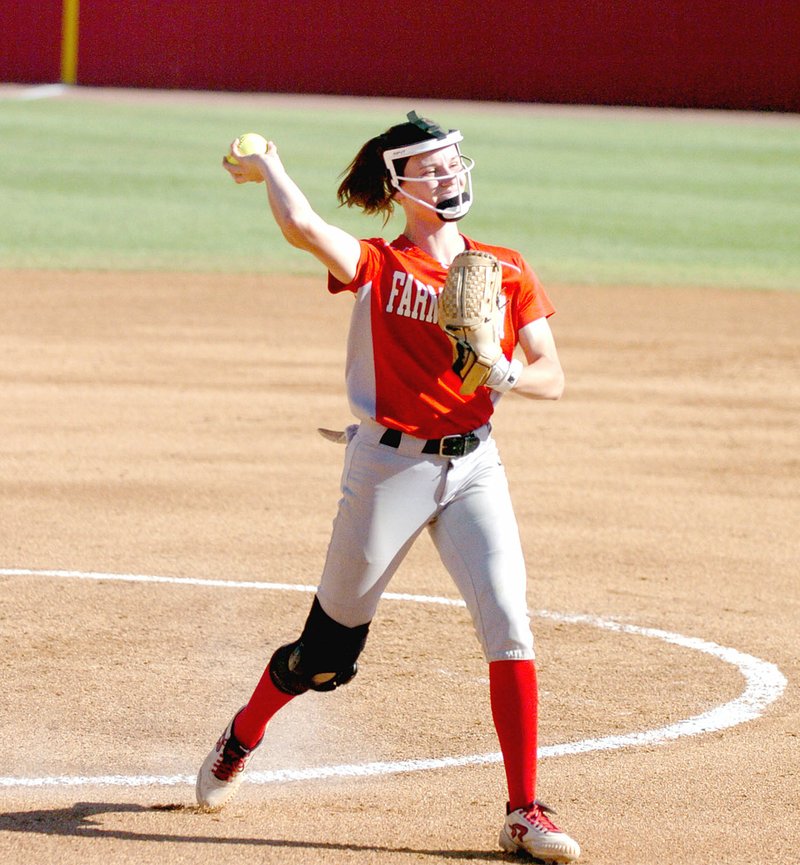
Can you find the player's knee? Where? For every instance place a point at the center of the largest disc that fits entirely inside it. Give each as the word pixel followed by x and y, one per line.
pixel 323 658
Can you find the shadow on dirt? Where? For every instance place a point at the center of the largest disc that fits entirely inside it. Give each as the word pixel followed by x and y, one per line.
pixel 80 821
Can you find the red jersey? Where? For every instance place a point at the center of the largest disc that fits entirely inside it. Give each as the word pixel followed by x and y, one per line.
pixel 398 358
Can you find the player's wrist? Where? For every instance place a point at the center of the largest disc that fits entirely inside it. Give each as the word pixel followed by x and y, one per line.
pixel 504 374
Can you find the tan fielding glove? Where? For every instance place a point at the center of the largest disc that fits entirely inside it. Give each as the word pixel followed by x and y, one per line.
pixel 469 313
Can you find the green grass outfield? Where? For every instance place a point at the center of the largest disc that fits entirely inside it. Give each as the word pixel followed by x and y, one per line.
pixel 623 197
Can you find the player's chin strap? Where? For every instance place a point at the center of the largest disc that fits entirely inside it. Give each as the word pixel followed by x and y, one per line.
pixel 453 208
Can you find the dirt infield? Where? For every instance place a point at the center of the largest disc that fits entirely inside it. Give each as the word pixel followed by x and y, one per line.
pixel 161 425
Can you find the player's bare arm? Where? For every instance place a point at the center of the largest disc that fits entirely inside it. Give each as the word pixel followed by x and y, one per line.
pixel 299 223
pixel 542 377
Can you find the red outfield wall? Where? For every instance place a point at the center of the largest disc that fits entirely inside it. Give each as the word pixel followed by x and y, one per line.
pixel 694 53
pixel 30 40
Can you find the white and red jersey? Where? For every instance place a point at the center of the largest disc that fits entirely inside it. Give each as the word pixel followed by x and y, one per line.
pixel 398 358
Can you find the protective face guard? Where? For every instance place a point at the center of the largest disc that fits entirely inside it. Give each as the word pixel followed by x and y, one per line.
pixel 452 209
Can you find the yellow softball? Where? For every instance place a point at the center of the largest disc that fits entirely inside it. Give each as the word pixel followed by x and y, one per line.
pixel 250 142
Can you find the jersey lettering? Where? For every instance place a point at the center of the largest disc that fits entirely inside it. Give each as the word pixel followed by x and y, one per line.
pixel 417 300
pixel 398 278
pixel 421 301
pixel 433 306
pixel 404 307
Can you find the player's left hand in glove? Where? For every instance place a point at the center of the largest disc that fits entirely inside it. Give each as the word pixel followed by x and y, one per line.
pixel 470 315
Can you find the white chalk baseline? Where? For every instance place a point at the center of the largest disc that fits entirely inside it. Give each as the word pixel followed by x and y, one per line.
pixel 764 684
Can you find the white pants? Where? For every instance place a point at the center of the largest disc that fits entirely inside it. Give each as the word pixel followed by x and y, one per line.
pixel 389 495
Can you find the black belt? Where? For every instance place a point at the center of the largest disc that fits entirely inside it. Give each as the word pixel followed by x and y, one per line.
pixel 447 446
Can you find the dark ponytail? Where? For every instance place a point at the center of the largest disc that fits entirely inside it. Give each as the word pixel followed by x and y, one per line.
pixel 366 181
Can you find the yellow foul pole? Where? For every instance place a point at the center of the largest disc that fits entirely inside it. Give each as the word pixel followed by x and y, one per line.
pixel 69 42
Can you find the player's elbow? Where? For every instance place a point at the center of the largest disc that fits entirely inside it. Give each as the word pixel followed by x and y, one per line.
pixel 296 232
pixel 544 384
pixel 305 231
pixel 552 381
pixel 557 385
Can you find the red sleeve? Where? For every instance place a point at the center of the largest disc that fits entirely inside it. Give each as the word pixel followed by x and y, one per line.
pixel 529 300
pixel 368 266
pixel 533 300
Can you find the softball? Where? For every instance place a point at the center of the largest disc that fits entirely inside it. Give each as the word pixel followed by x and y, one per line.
pixel 250 142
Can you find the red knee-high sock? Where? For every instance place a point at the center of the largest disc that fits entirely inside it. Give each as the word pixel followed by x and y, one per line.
pixel 253 719
pixel 514 698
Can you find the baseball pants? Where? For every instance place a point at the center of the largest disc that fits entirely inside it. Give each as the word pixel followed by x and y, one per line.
pixel 390 495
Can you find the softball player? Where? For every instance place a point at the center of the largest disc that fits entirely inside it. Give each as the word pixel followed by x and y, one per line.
pixel 421 457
